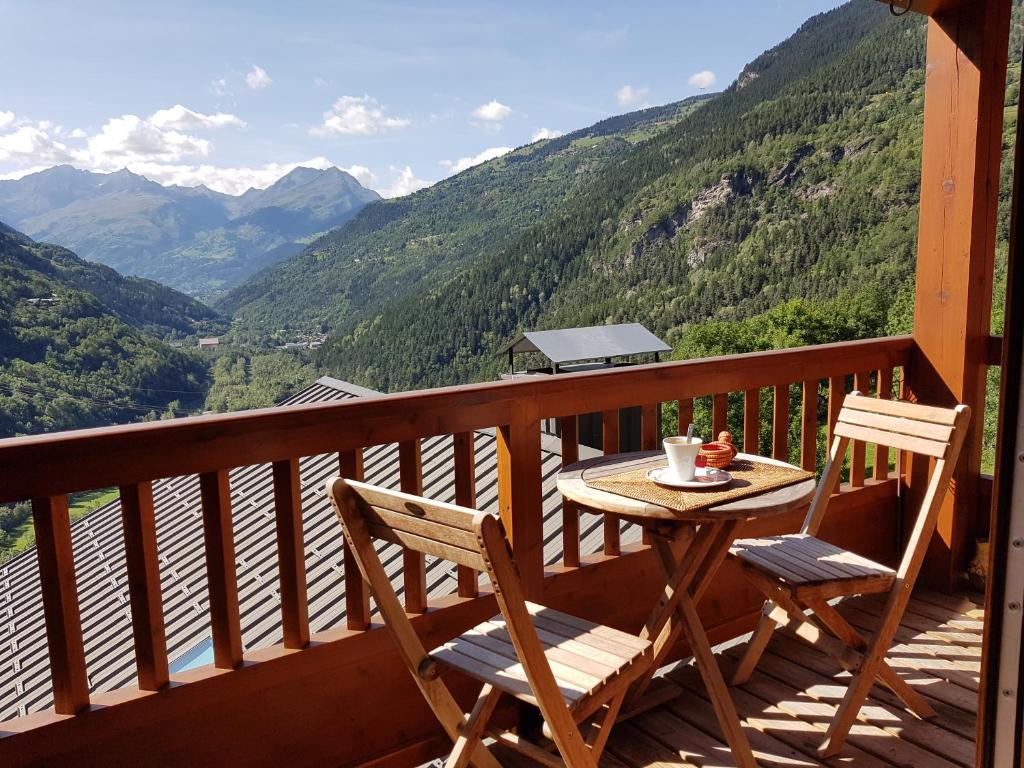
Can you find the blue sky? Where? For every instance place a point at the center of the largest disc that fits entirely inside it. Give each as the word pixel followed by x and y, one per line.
pixel 235 94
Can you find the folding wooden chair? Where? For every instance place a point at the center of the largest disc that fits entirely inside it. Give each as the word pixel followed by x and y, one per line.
pixel 799 572
pixel 571 669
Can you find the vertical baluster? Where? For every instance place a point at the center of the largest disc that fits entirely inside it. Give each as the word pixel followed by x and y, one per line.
pixel 780 422
pixel 882 451
pixel 858 450
pixel 650 439
pixel 60 604
pixel 464 458
pixel 291 553
pixel 836 393
pixel 719 415
pixel 140 551
pixel 752 421
pixel 414 567
pixel 610 445
pixel 357 591
pixel 520 498
pixel 685 414
pixel 222 581
pixel 809 427
pixel 570 510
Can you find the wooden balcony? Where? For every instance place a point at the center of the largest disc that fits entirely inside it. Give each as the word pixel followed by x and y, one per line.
pixel 301 694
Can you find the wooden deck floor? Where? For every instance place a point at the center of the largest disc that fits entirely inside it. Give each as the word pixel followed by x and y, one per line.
pixel 789 700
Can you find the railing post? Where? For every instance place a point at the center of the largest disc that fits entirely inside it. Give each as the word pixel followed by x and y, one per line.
pixel 780 422
pixel 464 461
pixel 884 386
pixel 610 445
pixel 809 426
pixel 520 498
pixel 140 552
pixel 570 511
pixel 752 421
pixel 719 415
pixel 414 567
pixel 60 604
pixel 220 569
pixel 357 591
pixel 858 449
pixel 291 553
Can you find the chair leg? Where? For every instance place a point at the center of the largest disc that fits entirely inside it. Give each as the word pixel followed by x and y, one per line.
pixel 472 730
pixel 601 726
pixel 755 647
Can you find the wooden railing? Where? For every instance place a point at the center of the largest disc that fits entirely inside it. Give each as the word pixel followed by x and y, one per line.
pixel 334 665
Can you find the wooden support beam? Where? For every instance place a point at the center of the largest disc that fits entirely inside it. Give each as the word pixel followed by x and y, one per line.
pixel 291 558
pixel 139 524
pixel 221 578
pixel 962 149
pixel 60 605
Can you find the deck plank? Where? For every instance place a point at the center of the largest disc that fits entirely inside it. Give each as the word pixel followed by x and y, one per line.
pixel 789 701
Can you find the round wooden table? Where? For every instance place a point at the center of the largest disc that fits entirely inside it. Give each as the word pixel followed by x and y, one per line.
pixel 690 546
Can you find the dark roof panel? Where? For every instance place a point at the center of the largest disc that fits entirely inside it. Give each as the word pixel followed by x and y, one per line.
pixel 591 343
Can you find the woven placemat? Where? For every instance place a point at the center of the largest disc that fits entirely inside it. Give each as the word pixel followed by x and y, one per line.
pixel 749 478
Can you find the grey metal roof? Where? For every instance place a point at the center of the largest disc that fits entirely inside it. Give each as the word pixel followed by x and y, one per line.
pixel 102 583
pixel 591 343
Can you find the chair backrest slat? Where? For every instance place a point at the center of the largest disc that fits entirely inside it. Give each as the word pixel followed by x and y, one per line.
pixel 431 527
pixel 915 411
pixel 923 429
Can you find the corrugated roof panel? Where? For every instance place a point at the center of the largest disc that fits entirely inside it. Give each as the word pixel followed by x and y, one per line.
pixel 100 568
pixel 592 343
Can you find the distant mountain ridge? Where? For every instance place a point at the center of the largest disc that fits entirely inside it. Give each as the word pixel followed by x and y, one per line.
pixel 192 238
pixel 419 241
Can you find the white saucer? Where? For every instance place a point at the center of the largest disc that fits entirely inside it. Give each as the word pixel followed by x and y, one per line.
pixel 706 477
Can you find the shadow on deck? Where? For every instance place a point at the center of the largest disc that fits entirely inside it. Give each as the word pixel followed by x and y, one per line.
pixel 788 702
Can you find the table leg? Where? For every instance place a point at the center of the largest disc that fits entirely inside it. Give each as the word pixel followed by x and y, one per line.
pixel 688 574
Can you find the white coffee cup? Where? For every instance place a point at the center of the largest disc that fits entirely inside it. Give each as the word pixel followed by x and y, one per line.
pixel 682 455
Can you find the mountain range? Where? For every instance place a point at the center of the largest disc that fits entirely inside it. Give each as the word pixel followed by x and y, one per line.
pixel 191 238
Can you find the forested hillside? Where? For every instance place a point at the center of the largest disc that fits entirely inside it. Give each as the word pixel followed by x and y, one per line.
pixel 77 347
pixel 394 248
pixel 799 181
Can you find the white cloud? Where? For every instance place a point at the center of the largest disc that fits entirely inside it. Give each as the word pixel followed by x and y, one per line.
pixel 703 79
pixel 34 144
pixel 405 183
pixel 258 78
pixel 22 172
pixel 628 96
pixel 545 133
pixel 320 82
pixel 6 118
pixel 358 115
pixel 458 166
pixel 361 173
pixel 493 111
pixel 130 138
pixel 184 119
pixel 78 133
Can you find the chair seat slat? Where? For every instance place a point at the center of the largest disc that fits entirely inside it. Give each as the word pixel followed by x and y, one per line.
pixel 899 408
